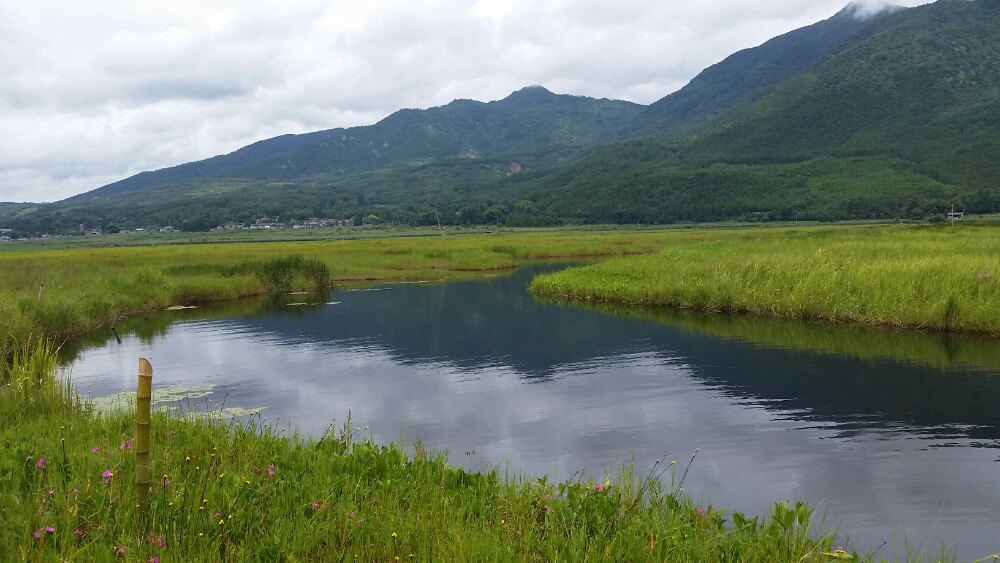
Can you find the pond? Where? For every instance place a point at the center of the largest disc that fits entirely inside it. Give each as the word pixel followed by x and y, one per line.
pixel 885 432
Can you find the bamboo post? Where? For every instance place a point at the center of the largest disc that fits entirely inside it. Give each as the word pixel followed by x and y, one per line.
pixel 143 397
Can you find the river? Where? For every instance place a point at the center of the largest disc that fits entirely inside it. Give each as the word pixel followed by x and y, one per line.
pixel 889 434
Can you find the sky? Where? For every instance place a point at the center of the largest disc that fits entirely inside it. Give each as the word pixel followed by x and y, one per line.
pixel 93 92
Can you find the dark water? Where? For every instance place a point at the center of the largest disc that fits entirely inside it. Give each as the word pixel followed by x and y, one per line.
pixel 886 432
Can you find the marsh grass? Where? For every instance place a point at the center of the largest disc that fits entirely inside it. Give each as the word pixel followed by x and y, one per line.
pixel 87 288
pixel 942 278
pixel 241 489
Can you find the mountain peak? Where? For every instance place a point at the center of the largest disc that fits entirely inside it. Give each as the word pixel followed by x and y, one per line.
pixel 532 90
pixel 866 9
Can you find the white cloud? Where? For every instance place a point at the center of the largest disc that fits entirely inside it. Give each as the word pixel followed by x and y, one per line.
pixel 94 92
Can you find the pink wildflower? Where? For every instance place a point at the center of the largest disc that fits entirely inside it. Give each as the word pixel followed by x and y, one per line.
pixel 702 512
pixel 50 529
pixel 351 515
pixel 52 492
pixel 216 515
pixel 120 550
pixel 154 559
pixel 41 463
pixel 270 469
pixel 79 533
pixel 107 474
pixel 315 505
pixel 94 450
pixel 548 508
pixel 37 534
pixel 126 445
pixel 29 458
pixel 599 488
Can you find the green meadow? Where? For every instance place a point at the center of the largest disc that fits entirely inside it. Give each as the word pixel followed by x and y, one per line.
pixel 241 489
pixel 924 277
pixel 58 292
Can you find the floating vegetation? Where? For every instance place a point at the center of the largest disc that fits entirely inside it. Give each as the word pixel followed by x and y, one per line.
pixel 163 398
pixel 173 400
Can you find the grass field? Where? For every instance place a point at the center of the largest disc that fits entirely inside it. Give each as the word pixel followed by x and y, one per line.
pixel 243 490
pixel 86 288
pixel 237 491
pixel 943 278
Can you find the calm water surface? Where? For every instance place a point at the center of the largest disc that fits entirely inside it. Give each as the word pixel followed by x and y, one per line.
pixel 885 432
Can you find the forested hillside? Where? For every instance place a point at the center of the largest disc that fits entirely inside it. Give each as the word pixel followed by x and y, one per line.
pixel 892 116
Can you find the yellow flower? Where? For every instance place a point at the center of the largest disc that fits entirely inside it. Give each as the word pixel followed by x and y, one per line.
pixel 394 535
pixel 222 522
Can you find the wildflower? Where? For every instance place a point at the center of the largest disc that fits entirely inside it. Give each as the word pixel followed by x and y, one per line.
pixel 49 529
pixel 548 508
pixel 29 458
pixel 94 450
pixel 702 512
pixel 315 505
pixel 52 492
pixel 126 445
pixel 221 475
pixel 79 533
pixel 187 458
pixel 394 535
pixel 216 515
pixel 41 463
pixel 37 534
pixel 107 474
pixel 599 488
pixel 120 550
pixel 351 515
pixel 154 559
pixel 75 491
pixel 222 522
pixel 549 496
pixel 270 469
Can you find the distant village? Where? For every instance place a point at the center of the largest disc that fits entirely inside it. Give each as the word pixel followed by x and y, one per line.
pixel 266 223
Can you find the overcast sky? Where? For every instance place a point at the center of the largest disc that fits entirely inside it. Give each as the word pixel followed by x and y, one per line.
pixel 92 92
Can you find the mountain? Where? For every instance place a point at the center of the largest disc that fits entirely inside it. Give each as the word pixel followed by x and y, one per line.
pixel 744 75
pixel 902 120
pixel 921 85
pixel 896 115
pixel 529 121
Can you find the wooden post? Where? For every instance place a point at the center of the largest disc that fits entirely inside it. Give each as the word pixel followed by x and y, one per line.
pixel 143 397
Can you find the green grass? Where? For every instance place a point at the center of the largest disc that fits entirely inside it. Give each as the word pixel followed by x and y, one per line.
pixel 945 278
pixel 85 288
pixel 244 490
pixel 435 510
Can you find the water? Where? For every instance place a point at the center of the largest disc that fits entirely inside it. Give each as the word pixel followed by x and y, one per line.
pixel 886 432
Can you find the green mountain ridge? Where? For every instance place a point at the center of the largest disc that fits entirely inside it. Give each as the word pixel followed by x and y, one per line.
pixel 893 116
pixel 746 74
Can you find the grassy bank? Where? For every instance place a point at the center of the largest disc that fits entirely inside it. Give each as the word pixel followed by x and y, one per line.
pixel 61 292
pixel 945 278
pixel 244 491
